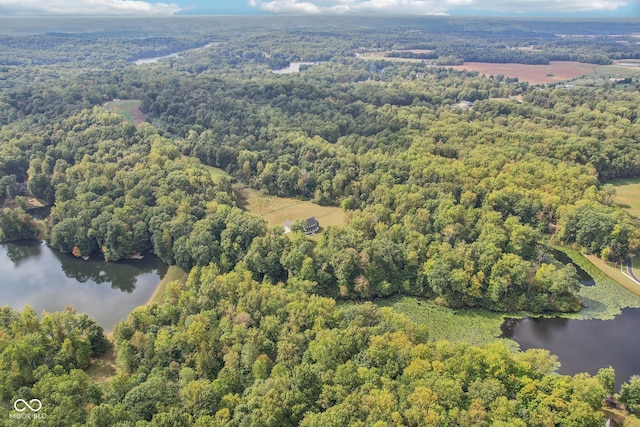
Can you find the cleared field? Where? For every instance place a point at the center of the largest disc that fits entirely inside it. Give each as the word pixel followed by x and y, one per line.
pixel 216 173
pixel 129 108
pixel 628 195
pixel 555 71
pixel 30 203
pixel 276 210
pixel 103 368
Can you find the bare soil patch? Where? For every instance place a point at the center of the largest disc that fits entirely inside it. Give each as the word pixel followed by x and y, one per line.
pixel 555 71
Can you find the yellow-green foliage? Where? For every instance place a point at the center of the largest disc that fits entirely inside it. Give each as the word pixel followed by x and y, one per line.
pixel 267 354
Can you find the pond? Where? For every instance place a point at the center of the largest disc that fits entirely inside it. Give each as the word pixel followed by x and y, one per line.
pixel 583 345
pixel 35 274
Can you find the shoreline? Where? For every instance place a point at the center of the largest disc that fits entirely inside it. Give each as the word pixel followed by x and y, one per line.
pixel 173 273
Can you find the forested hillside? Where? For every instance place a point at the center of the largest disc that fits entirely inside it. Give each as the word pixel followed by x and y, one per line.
pixel 454 184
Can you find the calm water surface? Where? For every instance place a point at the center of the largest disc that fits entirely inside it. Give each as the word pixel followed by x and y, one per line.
pixel 584 345
pixel 33 273
pixel 584 277
pixel 293 67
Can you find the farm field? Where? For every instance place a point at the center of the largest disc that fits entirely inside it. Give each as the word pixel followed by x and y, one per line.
pixel 276 210
pixel 555 71
pixel 129 108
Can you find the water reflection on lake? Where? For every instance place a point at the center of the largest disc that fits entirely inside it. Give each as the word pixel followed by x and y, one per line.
pixel 584 277
pixel 583 345
pixel 294 67
pixel 34 274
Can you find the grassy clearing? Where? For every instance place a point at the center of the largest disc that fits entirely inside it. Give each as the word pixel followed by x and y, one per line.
pixel 609 295
pixel 216 173
pixel 173 273
pixel 129 108
pixel 276 210
pixel 475 326
pixel 29 203
pixel 104 367
pixel 628 195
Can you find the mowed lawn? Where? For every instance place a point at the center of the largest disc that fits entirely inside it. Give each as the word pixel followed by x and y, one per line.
pixel 276 210
pixel 628 195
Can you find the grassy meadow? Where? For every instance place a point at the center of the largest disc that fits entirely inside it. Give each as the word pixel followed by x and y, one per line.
pixel 276 210
pixel 103 368
pixel 216 173
pixel 628 195
pixel 129 108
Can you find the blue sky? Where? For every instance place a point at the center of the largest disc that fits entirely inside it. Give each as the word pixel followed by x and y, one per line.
pixel 589 8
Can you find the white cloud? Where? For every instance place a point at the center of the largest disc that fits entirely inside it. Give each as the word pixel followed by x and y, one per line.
pixel 434 7
pixel 87 7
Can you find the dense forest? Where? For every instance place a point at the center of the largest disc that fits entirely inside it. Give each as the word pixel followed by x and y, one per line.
pixel 454 185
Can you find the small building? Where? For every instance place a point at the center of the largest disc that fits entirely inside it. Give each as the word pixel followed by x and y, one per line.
pixel 311 226
pixel 287 226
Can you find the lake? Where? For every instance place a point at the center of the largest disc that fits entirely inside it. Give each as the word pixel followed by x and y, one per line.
pixel 583 345
pixel 294 67
pixel 155 59
pixel 35 274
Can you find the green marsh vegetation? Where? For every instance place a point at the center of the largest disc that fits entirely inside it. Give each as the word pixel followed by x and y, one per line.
pixel 607 297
